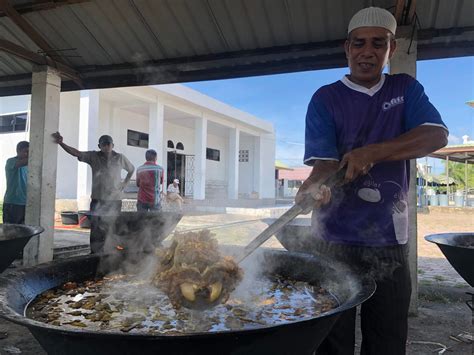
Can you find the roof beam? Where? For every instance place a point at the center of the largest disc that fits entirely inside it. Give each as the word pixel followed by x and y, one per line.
pixel 411 12
pixel 25 26
pixel 36 58
pixel 42 5
pixel 38 39
pixel 399 6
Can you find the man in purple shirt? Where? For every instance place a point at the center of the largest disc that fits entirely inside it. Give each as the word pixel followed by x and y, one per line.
pixel 371 124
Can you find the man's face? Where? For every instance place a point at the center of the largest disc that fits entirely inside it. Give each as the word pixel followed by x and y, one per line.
pixel 106 147
pixel 368 50
pixel 23 153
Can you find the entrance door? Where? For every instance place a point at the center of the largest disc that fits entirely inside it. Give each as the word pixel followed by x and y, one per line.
pixel 176 169
pixel 189 177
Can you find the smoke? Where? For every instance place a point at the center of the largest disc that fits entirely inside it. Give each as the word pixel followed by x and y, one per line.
pixel 133 238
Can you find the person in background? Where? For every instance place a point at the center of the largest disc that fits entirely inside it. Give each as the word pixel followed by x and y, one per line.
pixel 107 184
pixel 173 193
pixel 16 171
pixel 149 182
pixel 372 124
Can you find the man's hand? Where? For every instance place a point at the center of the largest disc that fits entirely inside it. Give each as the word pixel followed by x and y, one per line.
pixel 359 162
pixel 58 138
pixel 123 185
pixel 321 194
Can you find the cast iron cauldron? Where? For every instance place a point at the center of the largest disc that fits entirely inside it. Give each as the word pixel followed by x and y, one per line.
pixel 458 248
pixel 301 337
pixel 296 236
pixel 13 238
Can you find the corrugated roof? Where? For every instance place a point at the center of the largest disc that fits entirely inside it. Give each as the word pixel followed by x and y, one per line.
pixel 300 173
pixel 463 153
pixel 139 42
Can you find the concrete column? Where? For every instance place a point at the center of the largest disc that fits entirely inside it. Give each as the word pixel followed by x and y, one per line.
pixel 114 122
pixel 88 140
pixel 267 166
pixel 156 129
pixel 233 169
pixel 200 144
pixel 404 61
pixel 42 163
pixel 257 167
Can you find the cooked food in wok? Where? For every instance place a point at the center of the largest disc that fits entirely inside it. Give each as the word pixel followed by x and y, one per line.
pixel 123 303
pixel 193 272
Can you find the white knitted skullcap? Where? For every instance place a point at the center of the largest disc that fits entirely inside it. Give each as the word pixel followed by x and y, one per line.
pixel 373 17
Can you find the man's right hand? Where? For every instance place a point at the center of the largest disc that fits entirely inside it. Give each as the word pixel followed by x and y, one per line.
pixel 58 138
pixel 321 194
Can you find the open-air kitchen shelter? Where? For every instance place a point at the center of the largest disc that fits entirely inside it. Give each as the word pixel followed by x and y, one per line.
pixel 51 46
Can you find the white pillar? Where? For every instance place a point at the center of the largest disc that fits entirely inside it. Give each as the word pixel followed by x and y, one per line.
pixel 88 140
pixel 257 166
pixel 200 144
pixel 156 129
pixel 267 166
pixel 233 170
pixel 42 163
pixel 404 61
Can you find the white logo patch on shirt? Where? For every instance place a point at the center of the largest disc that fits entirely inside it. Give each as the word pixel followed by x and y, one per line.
pixel 387 105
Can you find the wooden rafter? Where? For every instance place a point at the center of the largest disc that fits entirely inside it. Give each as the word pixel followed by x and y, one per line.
pixel 399 6
pixel 42 5
pixel 38 39
pixel 411 12
pixel 25 26
pixel 36 58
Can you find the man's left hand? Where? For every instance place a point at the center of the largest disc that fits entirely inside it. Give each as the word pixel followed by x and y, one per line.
pixel 359 162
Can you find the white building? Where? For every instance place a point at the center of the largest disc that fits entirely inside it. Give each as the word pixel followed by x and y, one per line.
pixel 217 151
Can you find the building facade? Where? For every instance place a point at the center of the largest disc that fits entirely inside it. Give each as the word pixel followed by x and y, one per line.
pixel 215 150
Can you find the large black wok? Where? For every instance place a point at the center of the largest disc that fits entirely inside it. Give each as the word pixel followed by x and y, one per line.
pixel 458 248
pixel 301 337
pixel 296 236
pixel 13 238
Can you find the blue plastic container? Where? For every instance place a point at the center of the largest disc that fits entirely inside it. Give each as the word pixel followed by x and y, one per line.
pixel 443 200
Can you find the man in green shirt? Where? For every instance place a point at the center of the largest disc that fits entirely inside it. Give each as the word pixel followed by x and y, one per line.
pixel 16 171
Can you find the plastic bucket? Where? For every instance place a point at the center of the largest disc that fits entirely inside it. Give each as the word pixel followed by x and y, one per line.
pixel 69 217
pixel 443 200
pixel 459 200
pixel 84 219
pixel 434 200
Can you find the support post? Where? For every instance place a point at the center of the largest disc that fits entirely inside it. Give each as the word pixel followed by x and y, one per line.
pixel 155 129
pixel 200 145
pixel 257 167
pixel 88 140
pixel 42 163
pixel 234 142
pixel 404 61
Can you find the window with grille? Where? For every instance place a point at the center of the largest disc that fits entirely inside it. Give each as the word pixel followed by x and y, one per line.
pixel 15 122
pixel 137 139
pixel 243 156
pixel 213 154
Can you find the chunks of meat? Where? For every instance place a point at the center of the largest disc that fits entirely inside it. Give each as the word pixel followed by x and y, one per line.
pixel 194 273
